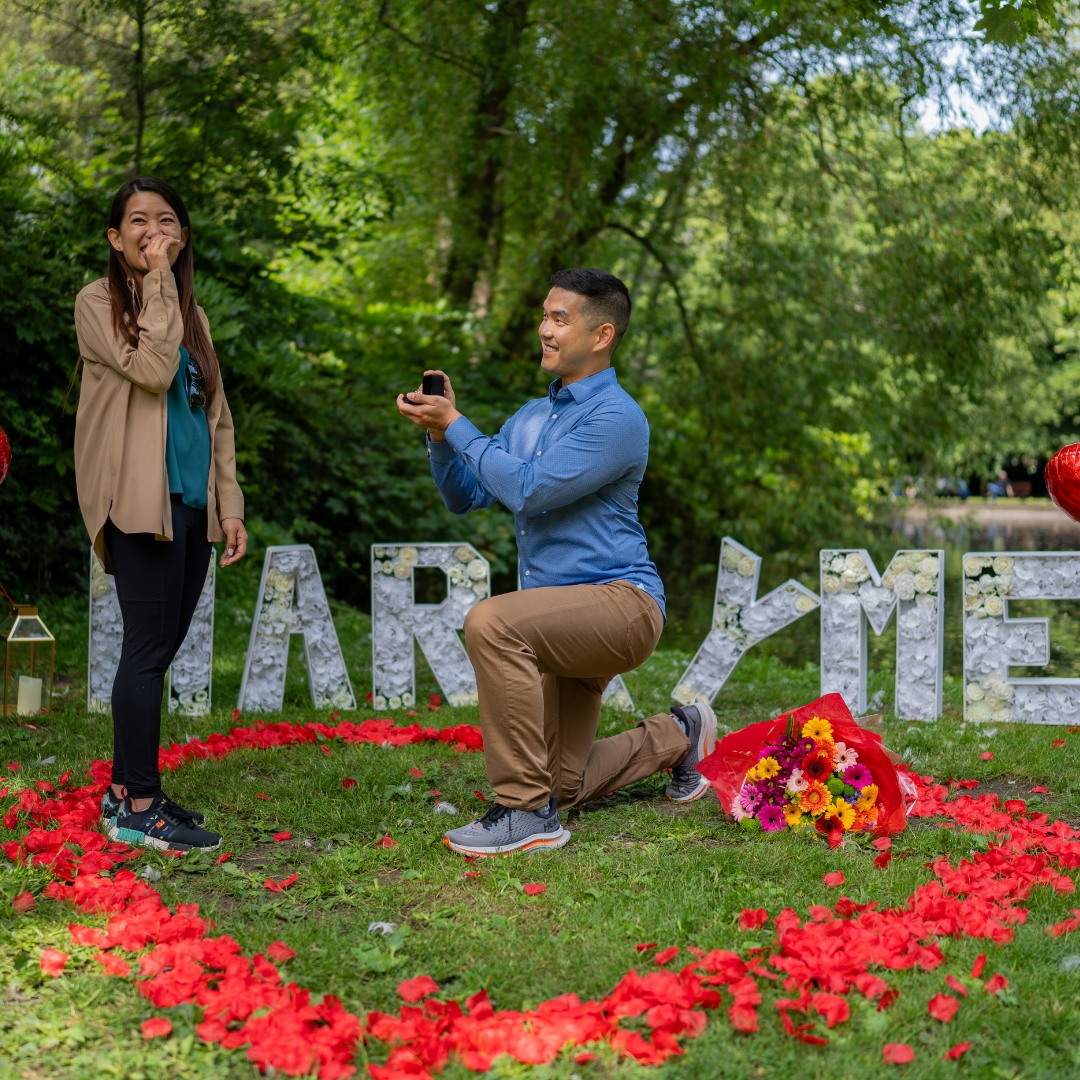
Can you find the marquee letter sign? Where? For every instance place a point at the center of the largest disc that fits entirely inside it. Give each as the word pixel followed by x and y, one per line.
pixel 396 619
pixel 288 572
pixel 853 593
pixel 993 641
pixel 739 621
pixel 191 673
pixel 617 696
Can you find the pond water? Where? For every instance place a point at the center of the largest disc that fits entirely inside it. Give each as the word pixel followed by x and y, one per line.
pixel 1008 525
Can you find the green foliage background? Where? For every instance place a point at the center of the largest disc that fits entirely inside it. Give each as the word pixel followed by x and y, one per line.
pixel 830 303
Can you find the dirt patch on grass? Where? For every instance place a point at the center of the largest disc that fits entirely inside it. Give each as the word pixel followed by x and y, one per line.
pixel 263 856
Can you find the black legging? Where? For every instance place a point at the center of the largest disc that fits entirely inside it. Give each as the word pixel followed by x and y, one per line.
pixel 158 584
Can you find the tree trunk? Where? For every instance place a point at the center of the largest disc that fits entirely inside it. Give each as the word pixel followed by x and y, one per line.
pixel 475 214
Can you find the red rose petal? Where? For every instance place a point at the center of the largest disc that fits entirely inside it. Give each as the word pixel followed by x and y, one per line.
pixel 957 1052
pixel 836 877
pixel 386 843
pixel 23 902
pixel 665 956
pixel 977 967
pixel 882 843
pixel 897 1053
pixel 262 795
pixel 752 918
pixel 348 782
pixel 281 886
pixel 13 766
pixel 987 755
pixel 534 890
pixel 953 983
pixel 1058 742
pixel 113 965
pixel 480 795
pixel 53 962
pixel 1039 790
pixel 882 861
pixel 995 983
pixel 412 990
pixel 280 836
pixel 472 873
pixel 942 1007
pixel 235 715
pixel 280 952
pixel 225 857
pixel 155 1028
pixel 645 946
pixel 418 773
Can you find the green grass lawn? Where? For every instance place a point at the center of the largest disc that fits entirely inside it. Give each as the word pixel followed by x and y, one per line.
pixel 637 869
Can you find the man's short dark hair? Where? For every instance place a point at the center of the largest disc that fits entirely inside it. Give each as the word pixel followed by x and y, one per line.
pixel 607 298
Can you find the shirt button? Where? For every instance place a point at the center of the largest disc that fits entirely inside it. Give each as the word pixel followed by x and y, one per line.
pixel 526 573
pixel 539 452
pixel 553 415
pixel 522 532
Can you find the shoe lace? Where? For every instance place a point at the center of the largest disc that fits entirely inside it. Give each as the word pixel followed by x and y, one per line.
pixel 175 810
pixel 493 816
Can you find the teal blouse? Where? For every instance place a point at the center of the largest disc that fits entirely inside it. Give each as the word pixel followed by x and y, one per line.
pixel 187 445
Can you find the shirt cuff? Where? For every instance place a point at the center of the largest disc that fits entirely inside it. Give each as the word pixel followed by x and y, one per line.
pixel 441 452
pixel 461 434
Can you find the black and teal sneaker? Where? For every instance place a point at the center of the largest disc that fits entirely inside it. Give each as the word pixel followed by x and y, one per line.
pixel 162 825
pixel 110 807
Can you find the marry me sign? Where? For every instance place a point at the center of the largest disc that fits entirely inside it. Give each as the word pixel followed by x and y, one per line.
pixel 854 597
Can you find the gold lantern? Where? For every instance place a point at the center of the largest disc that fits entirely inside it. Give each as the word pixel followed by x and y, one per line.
pixel 24 633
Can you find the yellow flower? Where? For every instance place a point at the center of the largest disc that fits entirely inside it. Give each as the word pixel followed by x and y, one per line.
pixel 845 812
pixel 817 729
pixel 765 769
pixel 792 815
pixel 868 798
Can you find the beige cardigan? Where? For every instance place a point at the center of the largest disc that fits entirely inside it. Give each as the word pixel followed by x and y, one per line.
pixel 121 425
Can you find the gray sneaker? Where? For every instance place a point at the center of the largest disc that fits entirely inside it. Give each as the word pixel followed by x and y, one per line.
pixel 687 784
pixel 503 830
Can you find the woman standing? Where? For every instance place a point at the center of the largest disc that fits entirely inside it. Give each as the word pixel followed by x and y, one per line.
pixel 155 469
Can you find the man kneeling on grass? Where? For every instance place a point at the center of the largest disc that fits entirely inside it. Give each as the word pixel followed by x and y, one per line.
pixel 591 604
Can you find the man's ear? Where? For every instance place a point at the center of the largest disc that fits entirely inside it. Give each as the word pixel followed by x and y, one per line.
pixel 605 335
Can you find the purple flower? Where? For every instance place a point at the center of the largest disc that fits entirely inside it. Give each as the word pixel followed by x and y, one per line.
pixel 858 776
pixel 771 818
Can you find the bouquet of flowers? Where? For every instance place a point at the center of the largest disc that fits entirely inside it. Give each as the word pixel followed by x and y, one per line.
pixel 811 767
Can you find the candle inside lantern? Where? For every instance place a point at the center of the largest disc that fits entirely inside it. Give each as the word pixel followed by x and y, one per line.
pixel 29 696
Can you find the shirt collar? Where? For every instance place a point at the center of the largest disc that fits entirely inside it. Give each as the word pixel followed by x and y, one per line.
pixel 584 389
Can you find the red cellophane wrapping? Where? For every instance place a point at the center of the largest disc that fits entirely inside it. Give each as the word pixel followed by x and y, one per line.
pixel 727 765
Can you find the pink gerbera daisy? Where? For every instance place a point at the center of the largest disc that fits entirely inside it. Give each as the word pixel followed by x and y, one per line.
pixel 858 776
pixel 843 757
pixel 771 818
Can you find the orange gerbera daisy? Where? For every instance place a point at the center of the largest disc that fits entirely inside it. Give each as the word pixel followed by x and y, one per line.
pixel 815 799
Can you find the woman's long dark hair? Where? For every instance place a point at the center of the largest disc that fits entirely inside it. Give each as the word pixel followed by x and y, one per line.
pixel 121 286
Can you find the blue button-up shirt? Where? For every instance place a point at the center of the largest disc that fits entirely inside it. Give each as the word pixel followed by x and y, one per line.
pixel 568 467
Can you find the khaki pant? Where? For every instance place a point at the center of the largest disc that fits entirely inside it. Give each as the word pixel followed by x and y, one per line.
pixel 543 658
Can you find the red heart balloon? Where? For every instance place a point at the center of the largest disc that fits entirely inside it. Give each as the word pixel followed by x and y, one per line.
pixel 5 455
pixel 1063 479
